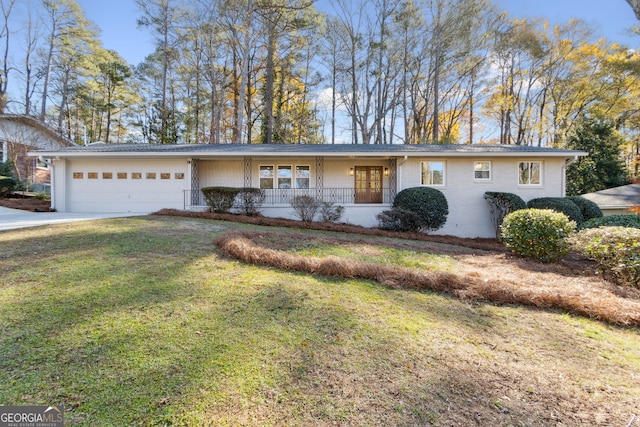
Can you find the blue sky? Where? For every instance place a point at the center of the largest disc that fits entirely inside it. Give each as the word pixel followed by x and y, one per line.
pixel 612 18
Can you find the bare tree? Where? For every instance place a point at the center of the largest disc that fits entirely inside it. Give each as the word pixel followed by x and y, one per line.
pixel 32 37
pixel 6 6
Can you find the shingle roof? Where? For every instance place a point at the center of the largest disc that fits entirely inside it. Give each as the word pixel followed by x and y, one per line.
pixel 199 150
pixel 622 197
pixel 38 125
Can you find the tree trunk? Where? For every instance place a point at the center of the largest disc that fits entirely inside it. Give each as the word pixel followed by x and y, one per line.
pixel 635 5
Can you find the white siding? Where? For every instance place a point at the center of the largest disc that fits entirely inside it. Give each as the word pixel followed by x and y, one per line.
pixel 221 173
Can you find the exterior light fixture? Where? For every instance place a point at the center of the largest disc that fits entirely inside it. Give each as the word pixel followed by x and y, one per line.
pixel 386 171
pixel 351 171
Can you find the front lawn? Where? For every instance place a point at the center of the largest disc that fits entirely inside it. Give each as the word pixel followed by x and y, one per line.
pixel 142 321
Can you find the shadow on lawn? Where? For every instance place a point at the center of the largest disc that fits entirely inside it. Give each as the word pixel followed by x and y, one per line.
pixel 151 327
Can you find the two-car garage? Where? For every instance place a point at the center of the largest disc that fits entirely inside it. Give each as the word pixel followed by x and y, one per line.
pixel 120 185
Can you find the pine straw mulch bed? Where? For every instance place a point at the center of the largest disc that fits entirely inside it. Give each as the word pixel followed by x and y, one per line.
pixel 485 269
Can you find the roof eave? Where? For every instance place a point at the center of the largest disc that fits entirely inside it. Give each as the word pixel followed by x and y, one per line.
pixel 204 154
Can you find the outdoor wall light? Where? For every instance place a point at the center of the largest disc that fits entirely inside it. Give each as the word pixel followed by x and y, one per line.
pixel 386 171
pixel 351 171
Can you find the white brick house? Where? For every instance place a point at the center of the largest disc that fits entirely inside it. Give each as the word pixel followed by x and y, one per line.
pixel 362 178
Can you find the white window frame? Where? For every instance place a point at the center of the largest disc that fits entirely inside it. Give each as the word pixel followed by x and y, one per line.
pixel 293 178
pixel 530 173
pixel 297 176
pixel 444 173
pixel 260 178
pixel 283 185
pixel 476 170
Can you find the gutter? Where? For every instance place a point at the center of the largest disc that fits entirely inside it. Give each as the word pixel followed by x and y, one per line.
pixel 217 155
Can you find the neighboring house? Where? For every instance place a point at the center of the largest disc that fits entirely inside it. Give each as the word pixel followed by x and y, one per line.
pixel 21 134
pixel 362 178
pixel 618 200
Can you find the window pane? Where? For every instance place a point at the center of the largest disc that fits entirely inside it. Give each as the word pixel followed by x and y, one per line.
pixel 284 176
pixel 535 173
pixel 432 173
pixel 482 170
pixel 302 176
pixel 266 177
pixel 529 173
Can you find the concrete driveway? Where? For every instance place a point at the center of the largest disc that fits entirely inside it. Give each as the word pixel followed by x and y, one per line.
pixel 11 219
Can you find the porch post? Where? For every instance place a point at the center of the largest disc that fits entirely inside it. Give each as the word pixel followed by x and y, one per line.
pixel 319 178
pixel 195 182
pixel 248 168
pixel 393 179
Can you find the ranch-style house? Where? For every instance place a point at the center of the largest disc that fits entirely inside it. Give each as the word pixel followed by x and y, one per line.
pixel 364 179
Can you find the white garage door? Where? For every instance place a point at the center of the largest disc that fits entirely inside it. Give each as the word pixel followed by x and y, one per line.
pixel 125 185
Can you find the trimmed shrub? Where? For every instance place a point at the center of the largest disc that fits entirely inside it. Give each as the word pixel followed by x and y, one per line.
pixel 305 207
pixel 429 204
pixel 250 200
pixel 220 199
pixel 588 209
pixel 558 204
pixel 399 220
pixel 630 221
pixel 500 205
pixel 615 249
pixel 6 169
pixel 7 185
pixel 538 234
pixel 330 212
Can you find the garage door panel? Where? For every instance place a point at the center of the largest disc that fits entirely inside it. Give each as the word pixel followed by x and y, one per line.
pixel 125 195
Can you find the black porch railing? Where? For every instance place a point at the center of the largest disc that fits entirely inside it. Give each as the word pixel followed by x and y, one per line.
pixel 283 196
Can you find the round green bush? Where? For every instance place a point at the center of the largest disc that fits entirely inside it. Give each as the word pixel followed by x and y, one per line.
pixel 588 209
pixel 7 185
pixel 429 204
pixel 558 204
pixel 538 234
pixel 220 199
pixel 399 220
pixel 615 249
pixel 512 201
pixel 629 221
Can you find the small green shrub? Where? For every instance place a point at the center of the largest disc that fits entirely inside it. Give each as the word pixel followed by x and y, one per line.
pixel 7 186
pixel 429 204
pixel 558 204
pixel 588 209
pixel 630 221
pixel 538 234
pixel 615 249
pixel 250 200
pixel 399 220
pixel 6 169
pixel 220 199
pixel 305 207
pixel 329 212
pixel 500 205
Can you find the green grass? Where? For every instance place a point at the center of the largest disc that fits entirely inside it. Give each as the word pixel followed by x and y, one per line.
pixel 140 321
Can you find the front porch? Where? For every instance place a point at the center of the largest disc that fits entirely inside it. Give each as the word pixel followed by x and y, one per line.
pixel 282 197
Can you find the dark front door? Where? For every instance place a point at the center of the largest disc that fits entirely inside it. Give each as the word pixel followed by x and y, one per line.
pixel 368 184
